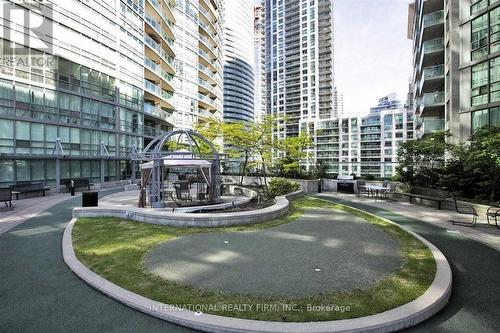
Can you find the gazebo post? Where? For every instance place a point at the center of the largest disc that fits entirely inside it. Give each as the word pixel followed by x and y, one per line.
pixel 156 188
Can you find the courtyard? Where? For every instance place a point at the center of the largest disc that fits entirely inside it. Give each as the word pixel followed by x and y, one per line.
pixel 305 260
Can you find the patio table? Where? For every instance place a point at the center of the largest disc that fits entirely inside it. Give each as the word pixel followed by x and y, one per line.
pixel 376 188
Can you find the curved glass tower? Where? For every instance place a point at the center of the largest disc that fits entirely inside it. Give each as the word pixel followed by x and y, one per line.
pixel 238 61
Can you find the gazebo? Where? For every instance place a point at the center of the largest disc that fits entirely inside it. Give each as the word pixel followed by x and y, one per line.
pixel 187 176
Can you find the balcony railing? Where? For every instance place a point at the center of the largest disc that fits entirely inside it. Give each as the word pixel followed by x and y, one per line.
pixel 433 45
pixel 158 112
pixel 155 46
pixel 433 72
pixel 433 18
pixel 153 88
pixel 433 98
pixel 431 125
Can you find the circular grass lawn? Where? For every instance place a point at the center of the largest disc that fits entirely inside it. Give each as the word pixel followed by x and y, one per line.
pixel 321 262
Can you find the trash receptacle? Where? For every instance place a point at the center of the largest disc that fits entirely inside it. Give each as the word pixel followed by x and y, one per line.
pixel 90 199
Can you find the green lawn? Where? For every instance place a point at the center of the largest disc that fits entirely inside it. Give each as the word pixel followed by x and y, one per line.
pixel 115 248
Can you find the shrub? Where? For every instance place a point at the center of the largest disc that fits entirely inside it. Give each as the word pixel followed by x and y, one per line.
pixel 282 186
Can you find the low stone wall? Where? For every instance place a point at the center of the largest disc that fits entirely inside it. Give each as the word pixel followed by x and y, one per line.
pixel 234 189
pixel 198 220
pixel 307 186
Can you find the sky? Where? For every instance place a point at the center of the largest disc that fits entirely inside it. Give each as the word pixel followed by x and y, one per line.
pixel 372 52
pixel 373 55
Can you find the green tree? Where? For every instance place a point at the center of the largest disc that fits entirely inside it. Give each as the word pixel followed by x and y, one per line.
pixel 482 156
pixel 420 162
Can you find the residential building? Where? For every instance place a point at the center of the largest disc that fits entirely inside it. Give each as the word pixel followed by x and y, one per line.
pixel 366 144
pixel 259 64
pixel 239 61
pixel 111 74
pixel 300 66
pixel 456 65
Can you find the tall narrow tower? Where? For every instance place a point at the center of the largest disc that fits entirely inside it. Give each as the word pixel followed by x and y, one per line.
pixel 238 61
pixel 300 66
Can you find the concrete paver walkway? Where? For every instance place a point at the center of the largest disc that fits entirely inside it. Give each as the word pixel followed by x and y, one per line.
pixel 475 297
pixel 38 293
pixel 482 232
pixel 28 208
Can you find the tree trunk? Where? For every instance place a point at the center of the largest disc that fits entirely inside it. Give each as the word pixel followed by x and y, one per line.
pixel 243 173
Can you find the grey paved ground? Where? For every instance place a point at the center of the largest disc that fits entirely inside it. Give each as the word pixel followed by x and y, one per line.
pixel 38 293
pixel 475 298
pixel 349 252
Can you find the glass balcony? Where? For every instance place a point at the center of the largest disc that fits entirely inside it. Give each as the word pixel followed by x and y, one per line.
pixel 433 98
pixel 433 45
pixel 431 125
pixel 158 112
pixel 433 18
pixel 156 90
pixel 433 72
pixel 155 46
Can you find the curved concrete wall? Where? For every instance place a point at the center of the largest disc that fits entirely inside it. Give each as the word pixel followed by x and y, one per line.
pixel 201 220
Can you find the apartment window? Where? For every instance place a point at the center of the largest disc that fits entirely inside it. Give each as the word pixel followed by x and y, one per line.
pixel 478 6
pixel 485 117
pixel 480 84
pixel 479 119
pixel 495 30
pixel 479 39
pixel 495 80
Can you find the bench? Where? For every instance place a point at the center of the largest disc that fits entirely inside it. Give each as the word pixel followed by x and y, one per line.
pixel 77 183
pixel 29 187
pixel 6 196
pixel 426 194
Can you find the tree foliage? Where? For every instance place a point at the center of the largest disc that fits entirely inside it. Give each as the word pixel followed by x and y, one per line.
pixel 471 168
pixel 255 145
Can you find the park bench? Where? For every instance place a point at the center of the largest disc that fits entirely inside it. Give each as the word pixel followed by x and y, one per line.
pixel 77 183
pixel 29 187
pixel 6 196
pixel 426 194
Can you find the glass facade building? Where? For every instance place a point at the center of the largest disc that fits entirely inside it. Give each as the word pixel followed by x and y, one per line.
pixel 366 144
pixel 102 72
pixel 300 66
pixel 259 64
pixel 239 61
pixel 456 66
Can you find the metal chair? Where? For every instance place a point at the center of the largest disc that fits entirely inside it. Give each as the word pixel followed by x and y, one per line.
pixel 360 188
pixel 464 210
pixel 391 189
pixel 492 214
pixel 6 197
pixel 182 196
